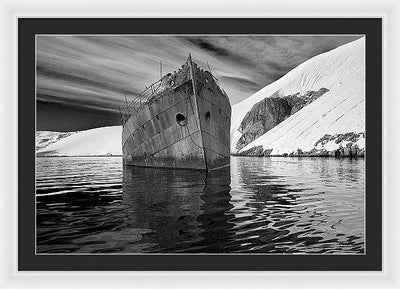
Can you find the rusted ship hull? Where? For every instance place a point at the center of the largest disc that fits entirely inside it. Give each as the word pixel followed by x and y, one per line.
pixel 184 124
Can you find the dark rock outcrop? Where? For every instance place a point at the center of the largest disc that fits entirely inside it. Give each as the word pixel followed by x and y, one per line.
pixel 257 151
pixel 271 111
pixel 263 116
pixel 350 136
pixel 297 101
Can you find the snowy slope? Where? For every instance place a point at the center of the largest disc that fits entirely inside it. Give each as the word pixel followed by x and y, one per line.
pixel 46 138
pixel 340 110
pixel 93 142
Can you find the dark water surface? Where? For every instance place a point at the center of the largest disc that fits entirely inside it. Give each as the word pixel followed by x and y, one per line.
pixel 260 205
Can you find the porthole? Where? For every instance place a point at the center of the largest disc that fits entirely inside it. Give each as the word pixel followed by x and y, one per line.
pixel 181 119
pixel 208 116
pixel 172 83
pixel 206 80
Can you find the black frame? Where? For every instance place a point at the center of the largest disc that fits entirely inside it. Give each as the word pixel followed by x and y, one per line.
pixel 29 27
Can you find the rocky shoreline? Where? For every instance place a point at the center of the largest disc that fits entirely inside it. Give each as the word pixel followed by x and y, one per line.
pixel 338 145
pixel 304 154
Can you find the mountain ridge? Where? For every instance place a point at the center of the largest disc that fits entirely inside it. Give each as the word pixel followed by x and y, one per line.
pixel 339 111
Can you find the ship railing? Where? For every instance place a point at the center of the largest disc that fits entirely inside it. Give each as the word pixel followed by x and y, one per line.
pixel 151 91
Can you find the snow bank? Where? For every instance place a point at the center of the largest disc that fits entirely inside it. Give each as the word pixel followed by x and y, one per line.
pixel 46 138
pixel 94 142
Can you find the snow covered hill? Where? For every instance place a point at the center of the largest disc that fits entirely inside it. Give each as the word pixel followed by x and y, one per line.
pixel 46 138
pixel 328 123
pixel 94 142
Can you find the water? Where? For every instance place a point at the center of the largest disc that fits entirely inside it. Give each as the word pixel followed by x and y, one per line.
pixel 260 205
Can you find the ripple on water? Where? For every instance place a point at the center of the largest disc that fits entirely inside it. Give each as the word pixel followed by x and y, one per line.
pixel 262 205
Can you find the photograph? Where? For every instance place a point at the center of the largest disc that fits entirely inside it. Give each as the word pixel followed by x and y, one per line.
pixel 216 144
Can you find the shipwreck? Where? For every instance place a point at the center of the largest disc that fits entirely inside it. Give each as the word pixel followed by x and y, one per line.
pixel 181 121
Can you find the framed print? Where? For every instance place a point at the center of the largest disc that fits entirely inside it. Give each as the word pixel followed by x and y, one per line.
pixel 201 144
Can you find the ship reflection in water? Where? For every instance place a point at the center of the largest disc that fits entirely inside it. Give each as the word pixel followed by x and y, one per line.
pixel 260 205
pixel 182 210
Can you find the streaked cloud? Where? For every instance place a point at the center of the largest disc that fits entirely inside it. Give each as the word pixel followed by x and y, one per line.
pixel 96 71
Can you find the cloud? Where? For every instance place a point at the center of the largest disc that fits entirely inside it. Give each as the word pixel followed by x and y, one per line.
pixel 240 83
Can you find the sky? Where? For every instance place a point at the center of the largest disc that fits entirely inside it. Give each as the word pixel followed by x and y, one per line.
pixel 81 80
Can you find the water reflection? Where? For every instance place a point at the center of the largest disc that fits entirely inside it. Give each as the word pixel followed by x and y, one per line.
pixel 260 205
pixel 183 211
